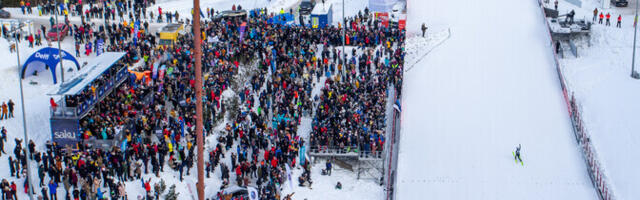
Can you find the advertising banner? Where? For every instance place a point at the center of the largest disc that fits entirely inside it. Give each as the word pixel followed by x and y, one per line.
pixel 383 17
pixel 64 132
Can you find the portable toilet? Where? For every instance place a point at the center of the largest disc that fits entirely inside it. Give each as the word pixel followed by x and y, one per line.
pixel 321 15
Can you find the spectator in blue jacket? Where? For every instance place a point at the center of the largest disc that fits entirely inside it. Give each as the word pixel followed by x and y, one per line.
pixel 53 186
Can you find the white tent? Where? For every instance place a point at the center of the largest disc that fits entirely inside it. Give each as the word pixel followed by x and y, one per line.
pixel 381 5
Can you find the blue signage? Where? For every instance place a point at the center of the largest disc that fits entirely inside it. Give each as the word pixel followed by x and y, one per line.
pixel 99 47
pixel 64 132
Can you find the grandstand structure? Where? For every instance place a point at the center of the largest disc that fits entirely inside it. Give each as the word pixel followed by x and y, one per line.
pixel 376 165
pixel 81 94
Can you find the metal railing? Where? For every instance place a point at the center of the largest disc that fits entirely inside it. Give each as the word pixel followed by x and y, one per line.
pixel 326 151
pixel 333 151
pixel 101 92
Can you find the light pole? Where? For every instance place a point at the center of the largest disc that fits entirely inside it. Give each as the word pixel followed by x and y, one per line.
pixel 198 72
pixel 24 118
pixel 58 37
pixel 634 74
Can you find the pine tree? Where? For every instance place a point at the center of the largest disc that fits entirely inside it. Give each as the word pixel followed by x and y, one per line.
pixel 172 195
pixel 160 187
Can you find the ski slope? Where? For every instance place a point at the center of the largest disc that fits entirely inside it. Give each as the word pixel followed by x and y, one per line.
pixel 466 106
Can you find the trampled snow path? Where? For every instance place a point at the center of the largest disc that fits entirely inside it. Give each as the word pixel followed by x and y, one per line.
pixel 489 88
pixel 421 46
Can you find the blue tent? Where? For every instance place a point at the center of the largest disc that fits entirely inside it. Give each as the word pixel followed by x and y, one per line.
pixel 282 19
pixel 50 57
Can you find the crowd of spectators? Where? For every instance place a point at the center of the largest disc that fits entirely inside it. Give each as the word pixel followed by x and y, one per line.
pixel 258 85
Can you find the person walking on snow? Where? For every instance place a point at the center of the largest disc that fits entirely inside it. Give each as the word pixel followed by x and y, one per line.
pixel 11 104
pixel 601 17
pixel 595 15
pixel 608 19
pixel 53 187
pixel 3 139
pixel 4 111
pixel 424 29
pixel 619 24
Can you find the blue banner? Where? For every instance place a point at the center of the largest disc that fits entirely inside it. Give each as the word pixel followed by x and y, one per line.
pixel 136 28
pixel 182 128
pixel 99 47
pixel 123 146
pixel 302 151
pixel 65 132
pixel 273 62
pixel 242 29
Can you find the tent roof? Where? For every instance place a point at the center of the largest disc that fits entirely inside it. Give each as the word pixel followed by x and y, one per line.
pixel 87 74
pixel 320 9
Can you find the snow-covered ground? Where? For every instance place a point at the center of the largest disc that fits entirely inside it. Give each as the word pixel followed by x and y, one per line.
pixel 35 97
pixel 324 186
pixel 607 95
pixel 473 99
pixel 37 109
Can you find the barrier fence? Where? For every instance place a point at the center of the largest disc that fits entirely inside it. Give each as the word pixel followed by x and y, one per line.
pixel 391 155
pixel 596 171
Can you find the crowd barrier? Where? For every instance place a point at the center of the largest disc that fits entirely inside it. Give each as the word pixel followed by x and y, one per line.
pixel 594 167
pixel 391 159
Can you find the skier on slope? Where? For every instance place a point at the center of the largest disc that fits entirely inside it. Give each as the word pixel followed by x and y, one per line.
pixel 517 155
pixel 424 29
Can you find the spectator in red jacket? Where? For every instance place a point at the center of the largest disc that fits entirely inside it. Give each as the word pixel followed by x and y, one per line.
pixel 53 104
pixel 601 17
pixel 619 24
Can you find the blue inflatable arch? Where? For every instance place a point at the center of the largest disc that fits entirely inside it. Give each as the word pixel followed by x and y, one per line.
pixel 50 57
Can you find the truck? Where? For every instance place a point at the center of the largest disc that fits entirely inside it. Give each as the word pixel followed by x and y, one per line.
pixel 169 33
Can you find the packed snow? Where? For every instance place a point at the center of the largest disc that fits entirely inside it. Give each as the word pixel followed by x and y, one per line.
pixel 473 99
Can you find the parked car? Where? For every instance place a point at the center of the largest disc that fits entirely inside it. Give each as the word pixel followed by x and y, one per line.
pixel 58 30
pixel 306 6
pixel 237 192
pixel 4 14
pixel 620 3
pixel 233 14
